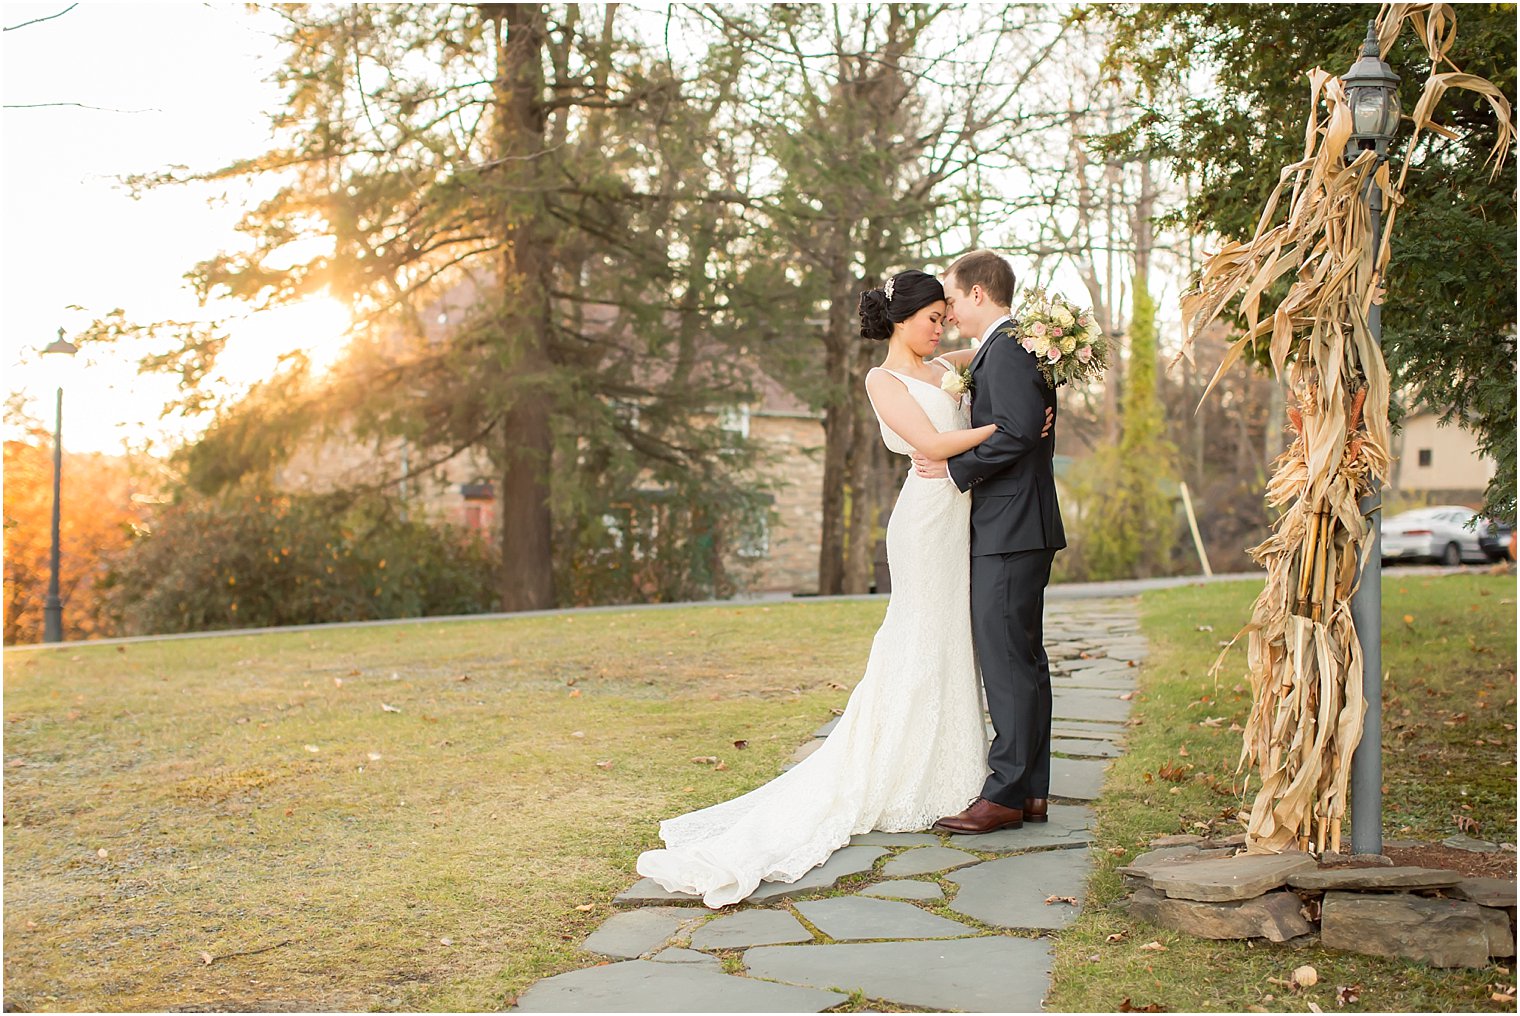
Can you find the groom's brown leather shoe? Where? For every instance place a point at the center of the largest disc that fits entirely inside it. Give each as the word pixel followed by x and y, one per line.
pixel 983 816
pixel 1036 809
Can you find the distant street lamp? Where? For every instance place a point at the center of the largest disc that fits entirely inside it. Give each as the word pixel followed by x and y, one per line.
pixel 1372 91
pixel 52 611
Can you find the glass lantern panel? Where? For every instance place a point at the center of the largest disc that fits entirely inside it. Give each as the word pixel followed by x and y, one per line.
pixel 1391 125
pixel 1367 112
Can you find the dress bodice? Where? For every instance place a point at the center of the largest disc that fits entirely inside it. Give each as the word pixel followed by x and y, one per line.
pixel 944 410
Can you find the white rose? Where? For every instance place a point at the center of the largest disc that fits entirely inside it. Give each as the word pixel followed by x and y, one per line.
pixel 1093 331
pixel 1040 345
pixel 1063 317
pixel 1068 343
pixel 953 383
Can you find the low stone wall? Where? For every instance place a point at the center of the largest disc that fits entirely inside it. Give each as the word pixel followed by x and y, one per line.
pixel 1362 904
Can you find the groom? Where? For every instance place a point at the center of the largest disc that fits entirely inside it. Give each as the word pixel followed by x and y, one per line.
pixel 1015 533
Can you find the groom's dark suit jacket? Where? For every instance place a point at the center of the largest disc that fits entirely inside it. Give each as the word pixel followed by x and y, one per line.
pixel 1012 483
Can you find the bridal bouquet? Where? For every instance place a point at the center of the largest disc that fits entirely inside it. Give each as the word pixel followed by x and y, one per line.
pixel 1065 338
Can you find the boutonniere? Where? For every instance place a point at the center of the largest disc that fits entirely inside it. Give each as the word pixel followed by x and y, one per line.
pixel 957 382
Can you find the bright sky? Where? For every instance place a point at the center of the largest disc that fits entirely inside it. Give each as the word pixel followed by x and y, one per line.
pixel 194 78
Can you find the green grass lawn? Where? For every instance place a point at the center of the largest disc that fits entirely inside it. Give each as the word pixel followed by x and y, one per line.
pixel 256 793
pixel 435 816
pixel 1449 760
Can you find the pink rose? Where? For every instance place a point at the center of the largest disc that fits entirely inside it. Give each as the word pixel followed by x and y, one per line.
pixel 1084 353
pixel 1056 332
pixel 1028 343
pixel 1038 328
pixel 1054 354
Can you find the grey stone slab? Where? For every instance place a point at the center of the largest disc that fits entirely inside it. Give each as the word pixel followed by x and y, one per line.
pixel 827 728
pixel 1010 892
pixel 905 890
pixel 853 918
pixel 1076 778
pixel 1443 933
pixel 1080 704
pixel 647 890
pixel 879 839
pixel 1146 864
pixel 1108 729
pixel 1501 939
pixel 633 933
pixel 994 973
pixel 1274 916
pixel 1240 877
pixel 846 861
pixel 1489 892
pixel 646 986
pixel 1375 878
pixel 750 927
pixel 923 860
pixel 1180 840
pixel 1094 680
pixel 688 957
pixel 1461 841
pixel 806 748
pixel 1089 748
pixel 1070 825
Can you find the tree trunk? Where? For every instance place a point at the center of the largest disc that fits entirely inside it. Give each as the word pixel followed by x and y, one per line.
pixel 527 561
pixel 838 428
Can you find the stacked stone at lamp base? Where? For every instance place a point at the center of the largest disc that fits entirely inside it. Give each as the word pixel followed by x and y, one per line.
pixel 1429 915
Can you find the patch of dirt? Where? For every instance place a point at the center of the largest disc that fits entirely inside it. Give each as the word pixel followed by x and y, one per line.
pixel 1468 862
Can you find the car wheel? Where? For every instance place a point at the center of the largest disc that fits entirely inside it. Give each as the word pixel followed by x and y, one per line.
pixel 1452 555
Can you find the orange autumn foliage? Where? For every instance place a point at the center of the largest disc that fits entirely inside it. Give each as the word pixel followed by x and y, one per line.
pixel 96 524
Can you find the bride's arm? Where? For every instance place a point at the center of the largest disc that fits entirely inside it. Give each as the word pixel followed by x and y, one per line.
pixel 907 419
pixel 959 358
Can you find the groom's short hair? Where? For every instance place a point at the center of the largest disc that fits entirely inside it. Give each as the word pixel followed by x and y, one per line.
pixel 987 269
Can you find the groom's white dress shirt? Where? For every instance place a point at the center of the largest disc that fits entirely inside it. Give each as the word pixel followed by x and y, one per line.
pixel 990 329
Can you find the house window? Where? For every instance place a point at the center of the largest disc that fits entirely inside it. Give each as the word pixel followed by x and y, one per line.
pixel 472 516
pixel 1424 456
pixel 735 420
pixel 757 542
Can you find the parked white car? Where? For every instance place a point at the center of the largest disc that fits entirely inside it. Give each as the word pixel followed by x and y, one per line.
pixel 1441 534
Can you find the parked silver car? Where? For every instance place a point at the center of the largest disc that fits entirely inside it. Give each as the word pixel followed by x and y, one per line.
pixel 1441 534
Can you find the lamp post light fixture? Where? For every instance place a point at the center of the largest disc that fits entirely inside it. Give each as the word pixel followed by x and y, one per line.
pixel 1372 92
pixel 52 611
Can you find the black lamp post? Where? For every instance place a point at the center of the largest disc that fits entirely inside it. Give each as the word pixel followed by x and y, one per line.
pixel 1372 92
pixel 52 611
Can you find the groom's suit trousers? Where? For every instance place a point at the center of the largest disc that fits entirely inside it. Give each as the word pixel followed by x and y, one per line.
pixel 1007 621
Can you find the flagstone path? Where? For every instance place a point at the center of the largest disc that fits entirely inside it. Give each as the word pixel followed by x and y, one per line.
pixel 911 919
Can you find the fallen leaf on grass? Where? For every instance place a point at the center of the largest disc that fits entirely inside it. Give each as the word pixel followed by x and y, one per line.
pixel 374 756
pixel 1152 946
pixel 1305 977
pixel 720 766
pixel 840 712
pixel 1348 996
pixel 1212 721
pixel 605 763
pixel 1128 1006
pixel 445 941
pixel 575 693
pixel 1126 696
pixel 577 733
pixel 706 760
pixel 1183 751
pixel 1205 627
pixel 337 682
pixel 1118 936
pixel 741 745
pixel 313 748
pixel 1314 1007
pixel 207 958
pixel 837 686
pixel 1060 899
pixel 1499 996
pixel 102 853
pixel 387 707
pixel 584 907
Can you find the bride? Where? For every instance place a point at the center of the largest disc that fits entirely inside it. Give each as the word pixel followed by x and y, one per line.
pixel 910 746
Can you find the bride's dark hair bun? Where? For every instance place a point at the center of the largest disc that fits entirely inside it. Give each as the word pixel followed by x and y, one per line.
pixel 874 323
pixel 910 292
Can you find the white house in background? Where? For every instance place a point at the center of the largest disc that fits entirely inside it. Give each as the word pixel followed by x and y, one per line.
pixel 1438 464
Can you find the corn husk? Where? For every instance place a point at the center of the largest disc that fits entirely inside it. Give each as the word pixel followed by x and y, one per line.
pixel 1303 658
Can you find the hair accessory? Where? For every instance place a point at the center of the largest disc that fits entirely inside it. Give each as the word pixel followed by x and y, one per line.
pixel 888 289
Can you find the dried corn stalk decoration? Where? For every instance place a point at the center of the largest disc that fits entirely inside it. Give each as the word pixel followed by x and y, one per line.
pixel 1302 653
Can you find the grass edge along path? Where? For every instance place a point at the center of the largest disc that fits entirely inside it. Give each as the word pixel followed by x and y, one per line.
pixel 1449 752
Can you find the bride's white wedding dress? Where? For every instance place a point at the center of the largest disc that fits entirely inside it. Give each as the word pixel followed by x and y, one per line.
pixel 910 747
